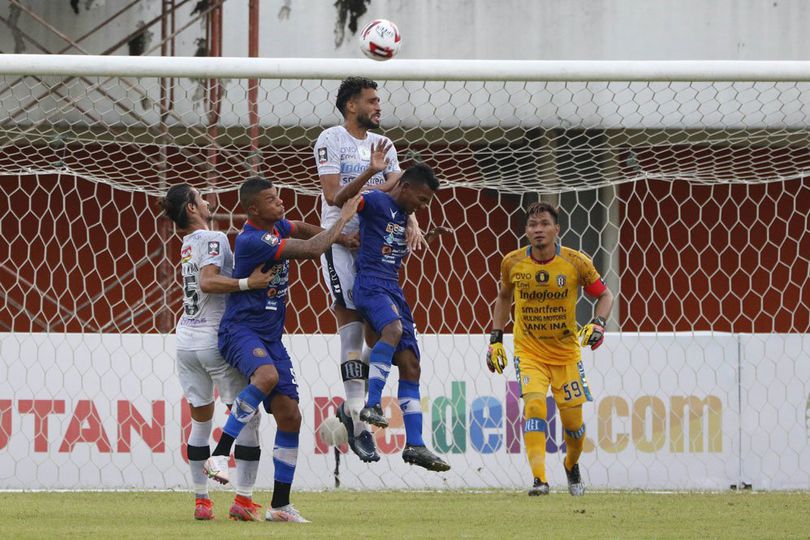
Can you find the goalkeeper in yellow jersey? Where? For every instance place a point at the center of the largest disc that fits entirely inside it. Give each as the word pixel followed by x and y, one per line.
pixel 544 280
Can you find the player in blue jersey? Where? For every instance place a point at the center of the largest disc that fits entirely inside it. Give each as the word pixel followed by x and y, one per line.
pixel 252 326
pixel 381 302
pixel 345 155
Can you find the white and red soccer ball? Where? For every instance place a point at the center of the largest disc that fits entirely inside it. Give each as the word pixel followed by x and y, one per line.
pixel 380 39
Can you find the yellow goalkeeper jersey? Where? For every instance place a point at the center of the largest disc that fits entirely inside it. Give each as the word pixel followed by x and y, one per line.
pixel 545 302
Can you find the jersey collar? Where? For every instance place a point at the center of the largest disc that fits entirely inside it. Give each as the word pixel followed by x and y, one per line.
pixel 529 254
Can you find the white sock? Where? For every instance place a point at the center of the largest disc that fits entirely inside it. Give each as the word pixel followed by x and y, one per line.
pixel 351 349
pixel 199 437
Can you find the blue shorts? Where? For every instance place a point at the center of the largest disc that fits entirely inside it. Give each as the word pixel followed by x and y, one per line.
pixel 247 351
pixel 380 302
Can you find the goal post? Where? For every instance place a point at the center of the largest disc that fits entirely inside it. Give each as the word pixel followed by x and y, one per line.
pixel 684 181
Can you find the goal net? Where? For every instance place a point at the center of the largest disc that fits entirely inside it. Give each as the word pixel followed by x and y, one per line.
pixel 685 182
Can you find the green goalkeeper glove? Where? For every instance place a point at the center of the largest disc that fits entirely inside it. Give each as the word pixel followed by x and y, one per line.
pixel 496 355
pixel 593 333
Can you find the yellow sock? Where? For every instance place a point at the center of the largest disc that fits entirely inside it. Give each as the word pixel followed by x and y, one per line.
pixel 534 435
pixel 573 434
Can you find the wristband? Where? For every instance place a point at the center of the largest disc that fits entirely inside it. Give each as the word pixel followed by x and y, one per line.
pixel 599 320
pixel 496 336
pixel 243 284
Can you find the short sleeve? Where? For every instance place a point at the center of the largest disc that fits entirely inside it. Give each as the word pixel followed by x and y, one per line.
pixel 214 247
pixel 261 247
pixel 327 153
pixel 506 268
pixel 367 200
pixel 284 228
pixel 589 277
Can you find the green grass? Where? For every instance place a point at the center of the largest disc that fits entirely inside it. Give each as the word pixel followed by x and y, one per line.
pixel 409 514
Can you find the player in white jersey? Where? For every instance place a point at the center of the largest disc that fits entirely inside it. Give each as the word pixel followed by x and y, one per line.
pixel 206 262
pixel 345 165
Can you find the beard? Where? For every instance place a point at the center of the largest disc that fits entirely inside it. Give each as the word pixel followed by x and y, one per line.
pixel 366 122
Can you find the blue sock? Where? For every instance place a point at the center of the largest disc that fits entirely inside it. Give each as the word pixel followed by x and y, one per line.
pixel 285 456
pixel 243 409
pixel 411 406
pixel 379 365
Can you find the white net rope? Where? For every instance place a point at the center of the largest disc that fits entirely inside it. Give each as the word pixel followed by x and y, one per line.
pixel 690 197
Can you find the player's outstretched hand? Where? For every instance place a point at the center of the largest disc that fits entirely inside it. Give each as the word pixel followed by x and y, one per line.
pixel 496 354
pixel 349 241
pixel 592 334
pixel 349 209
pixel 414 238
pixel 260 280
pixel 378 161
pixel 436 232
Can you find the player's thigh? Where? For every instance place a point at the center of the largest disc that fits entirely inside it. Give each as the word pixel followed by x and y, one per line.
pixel 376 305
pixel 338 271
pixel 227 379
pixel 408 342
pixel 533 375
pixel 569 385
pixel 287 381
pixel 198 388
pixel 244 350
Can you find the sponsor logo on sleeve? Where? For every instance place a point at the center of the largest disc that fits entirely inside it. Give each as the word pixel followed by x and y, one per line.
pixel 185 254
pixel 258 352
pixel 213 248
pixel 270 239
pixel 323 155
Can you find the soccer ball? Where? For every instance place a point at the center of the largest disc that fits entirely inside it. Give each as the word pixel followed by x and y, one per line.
pixel 333 432
pixel 380 40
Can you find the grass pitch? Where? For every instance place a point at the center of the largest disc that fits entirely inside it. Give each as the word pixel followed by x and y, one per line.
pixel 409 514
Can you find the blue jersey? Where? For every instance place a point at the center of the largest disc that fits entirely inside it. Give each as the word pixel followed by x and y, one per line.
pixel 261 311
pixel 382 236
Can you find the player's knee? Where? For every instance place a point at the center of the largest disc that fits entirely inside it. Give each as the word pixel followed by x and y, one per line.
pixel 409 368
pixel 392 333
pixel 265 378
pixel 535 408
pixel 576 433
pixel 289 419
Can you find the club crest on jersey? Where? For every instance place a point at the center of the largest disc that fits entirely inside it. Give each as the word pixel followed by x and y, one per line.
pixel 271 239
pixel 323 155
pixel 272 292
pixel 541 277
pixel 258 352
pixel 185 254
pixel 561 280
pixel 213 248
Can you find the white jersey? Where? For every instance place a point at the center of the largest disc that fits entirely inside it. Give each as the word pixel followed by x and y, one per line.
pixel 197 328
pixel 338 152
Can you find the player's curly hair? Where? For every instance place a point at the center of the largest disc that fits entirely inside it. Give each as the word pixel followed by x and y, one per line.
pixel 175 202
pixel 540 207
pixel 350 88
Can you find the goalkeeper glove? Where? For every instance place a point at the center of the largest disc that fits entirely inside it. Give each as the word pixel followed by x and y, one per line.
pixel 593 333
pixel 496 355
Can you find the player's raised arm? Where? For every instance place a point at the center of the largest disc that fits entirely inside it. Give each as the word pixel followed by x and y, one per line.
pixel 377 163
pixel 318 244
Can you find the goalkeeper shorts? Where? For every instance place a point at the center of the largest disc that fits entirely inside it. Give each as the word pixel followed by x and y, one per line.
pixel 568 383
